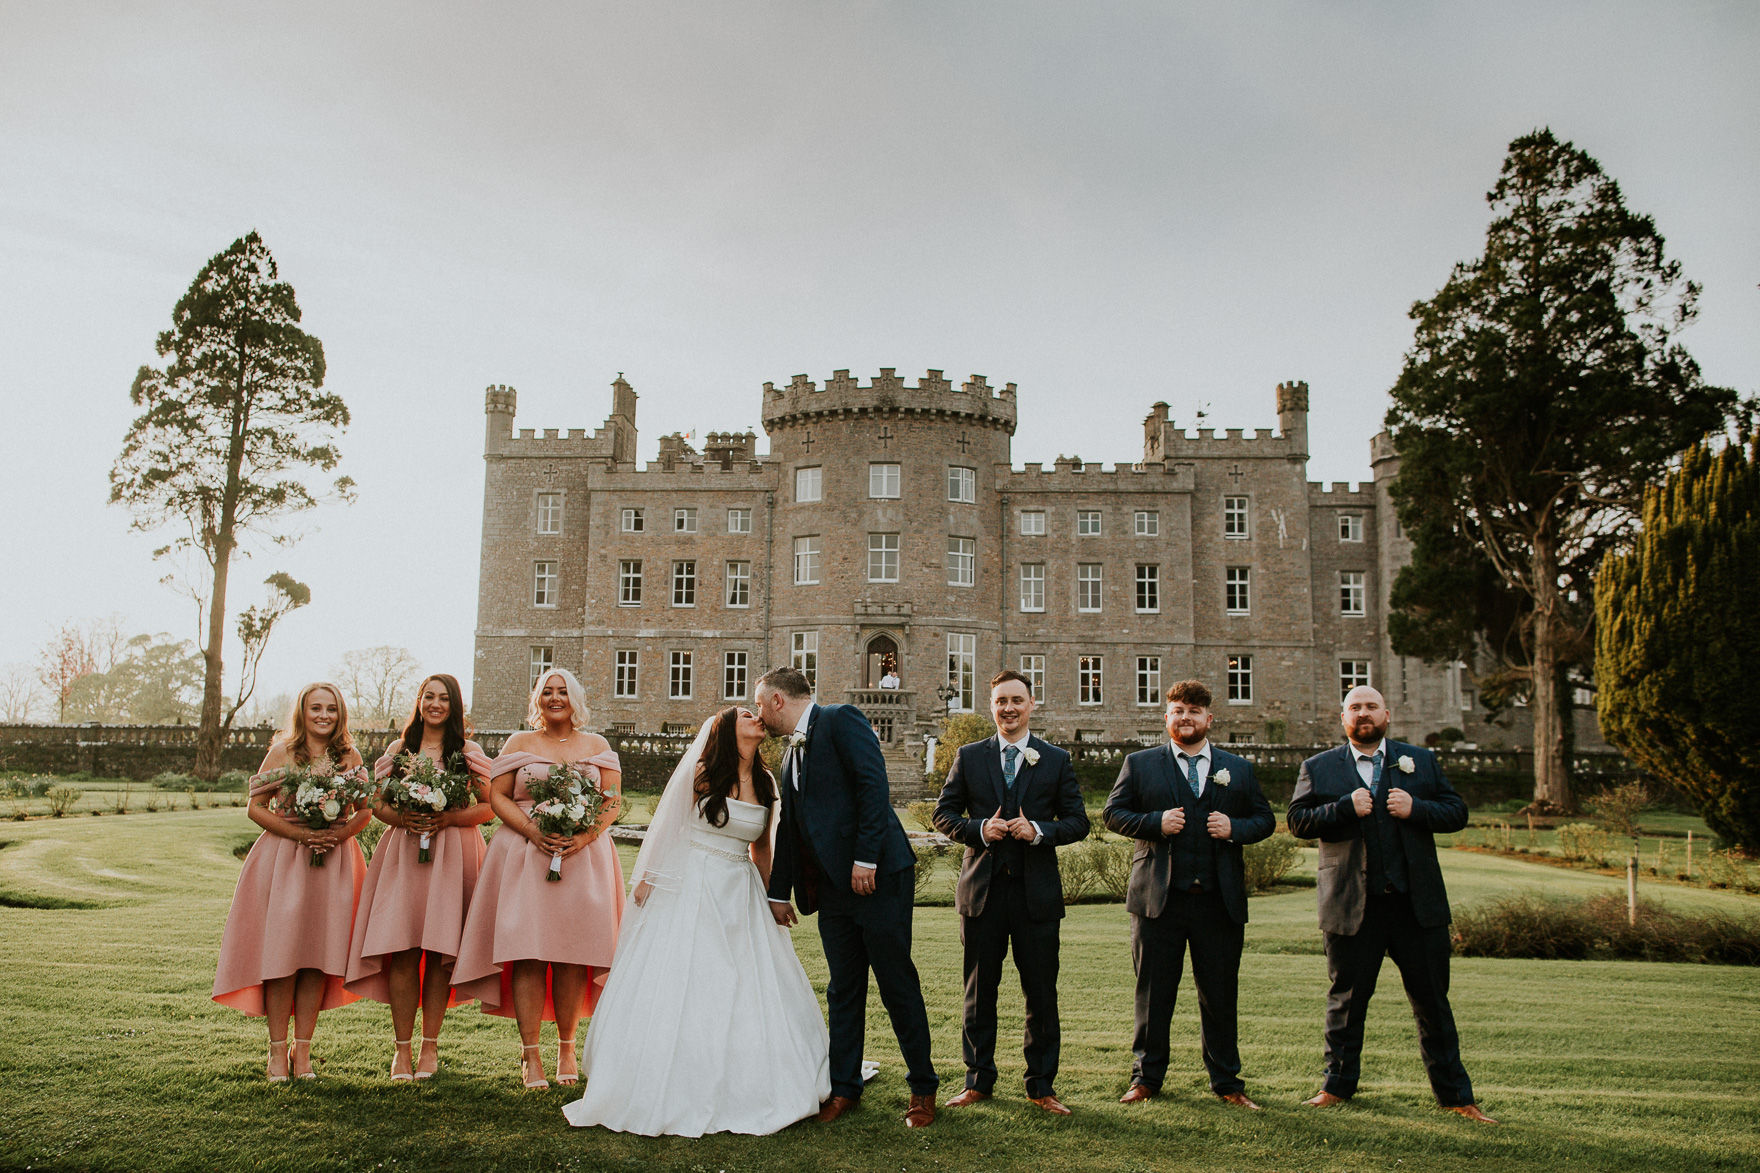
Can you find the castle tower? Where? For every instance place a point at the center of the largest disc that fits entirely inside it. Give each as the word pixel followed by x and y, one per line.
pixel 1292 416
pixel 499 401
pixel 622 423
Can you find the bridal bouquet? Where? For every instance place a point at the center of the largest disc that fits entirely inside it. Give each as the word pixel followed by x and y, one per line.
pixel 419 786
pixel 566 801
pixel 318 794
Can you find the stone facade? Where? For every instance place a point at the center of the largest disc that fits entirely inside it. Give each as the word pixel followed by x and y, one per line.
pixel 888 520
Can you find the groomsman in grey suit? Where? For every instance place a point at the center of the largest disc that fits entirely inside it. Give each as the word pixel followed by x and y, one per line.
pixel 1013 800
pixel 1375 804
pixel 1191 807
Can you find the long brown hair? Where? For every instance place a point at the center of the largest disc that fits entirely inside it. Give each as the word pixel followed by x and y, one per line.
pixel 456 729
pixel 294 736
pixel 719 770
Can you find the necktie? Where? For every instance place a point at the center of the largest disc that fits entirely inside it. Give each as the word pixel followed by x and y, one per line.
pixel 1009 753
pixel 1375 774
pixel 1192 775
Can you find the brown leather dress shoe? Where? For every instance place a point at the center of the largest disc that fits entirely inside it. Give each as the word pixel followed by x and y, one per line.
pixel 834 1107
pixel 1471 1112
pixel 1324 1099
pixel 966 1098
pixel 1138 1092
pixel 1238 1099
pixel 922 1112
pixel 1050 1104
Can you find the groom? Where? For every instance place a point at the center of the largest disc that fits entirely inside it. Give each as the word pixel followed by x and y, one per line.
pixel 840 852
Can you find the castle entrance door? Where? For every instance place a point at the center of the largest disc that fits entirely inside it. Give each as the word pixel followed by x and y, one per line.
pixel 882 656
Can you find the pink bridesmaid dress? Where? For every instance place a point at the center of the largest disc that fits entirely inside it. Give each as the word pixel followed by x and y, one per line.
pixel 287 916
pixel 516 914
pixel 408 904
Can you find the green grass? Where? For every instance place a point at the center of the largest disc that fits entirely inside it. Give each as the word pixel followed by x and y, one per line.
pixel 112 1056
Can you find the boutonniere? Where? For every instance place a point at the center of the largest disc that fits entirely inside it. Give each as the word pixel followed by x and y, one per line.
pixel 796 739
pixel 1220 777
pixel 1031 754
pixel 1406 764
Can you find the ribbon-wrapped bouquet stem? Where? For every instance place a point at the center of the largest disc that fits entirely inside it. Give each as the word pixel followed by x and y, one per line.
pixel 566 801
pixel 419 786
pixel 319 794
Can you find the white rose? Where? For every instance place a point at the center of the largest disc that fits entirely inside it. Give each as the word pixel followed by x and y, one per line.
pixel 1406 764
pixel 1221 777
pixel 332 808
pixel 1031 754
pixel 577 812
pixel 437 801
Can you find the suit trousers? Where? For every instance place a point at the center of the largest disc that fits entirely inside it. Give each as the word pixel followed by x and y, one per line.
pixel 1353 963
pixel 1158 949
pixel 880 940
pixel 986 941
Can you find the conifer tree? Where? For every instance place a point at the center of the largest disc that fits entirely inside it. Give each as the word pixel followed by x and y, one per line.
pixel 230 426
pixel 1678 633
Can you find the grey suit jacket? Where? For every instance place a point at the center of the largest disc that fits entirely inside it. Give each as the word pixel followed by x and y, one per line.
pixel 1321 809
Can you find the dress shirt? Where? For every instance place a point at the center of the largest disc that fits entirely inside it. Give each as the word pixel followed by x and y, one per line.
pixel 1020 763
pixel 1203 759
pixel 1365 767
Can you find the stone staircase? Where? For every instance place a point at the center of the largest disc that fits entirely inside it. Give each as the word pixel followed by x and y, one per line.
pixel 904 772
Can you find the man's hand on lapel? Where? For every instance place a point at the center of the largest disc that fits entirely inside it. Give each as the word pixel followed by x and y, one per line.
pixel 861 880
pixel 1362 801
pixel 1399 804
pixel 1173 820
pixel 1022 828
pixel 995 827
pixel 1219 825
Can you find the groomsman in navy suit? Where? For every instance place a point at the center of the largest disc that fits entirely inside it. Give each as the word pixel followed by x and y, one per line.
pixel 1191 807
pixel 1013 800
pixel 1375 804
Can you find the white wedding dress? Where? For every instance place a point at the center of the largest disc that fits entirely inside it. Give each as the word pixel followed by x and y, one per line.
pixel 707 1022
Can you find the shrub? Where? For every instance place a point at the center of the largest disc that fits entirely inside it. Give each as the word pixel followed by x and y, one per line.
pixel 1725 869
pixel 234 781
pixel 369 838
pixel 1097 866
pixel 40 785
pixel 153 800
pixel 1584 842
pixel 62 798
pixel 922 814
pixel 120 799
pixel 1268 861
pixel 1597 929
pixel 173 780
pixel 956 730
pixel 1074 870
pixel 928 864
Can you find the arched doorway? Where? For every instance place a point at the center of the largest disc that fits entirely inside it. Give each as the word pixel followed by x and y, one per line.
pixel 882 654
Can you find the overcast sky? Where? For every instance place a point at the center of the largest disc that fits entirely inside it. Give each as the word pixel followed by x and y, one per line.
pixel 1107 204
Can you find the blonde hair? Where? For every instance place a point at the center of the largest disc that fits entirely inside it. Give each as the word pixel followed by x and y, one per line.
pixel 576 698
pixel 294 736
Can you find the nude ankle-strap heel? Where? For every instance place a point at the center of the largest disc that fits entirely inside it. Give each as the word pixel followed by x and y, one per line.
pixel 566 1047
pixel 539 1059
pixel 282 1078
pixel 420 1074
pixel 303 1074
pixel 396 1076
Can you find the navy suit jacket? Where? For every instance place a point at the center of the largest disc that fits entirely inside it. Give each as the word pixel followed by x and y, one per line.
pixel 844 812
pixel 1321 808
pixel 1048 794
pixel 1147 786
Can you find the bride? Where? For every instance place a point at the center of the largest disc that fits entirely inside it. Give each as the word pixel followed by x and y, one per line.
pixel 707 1022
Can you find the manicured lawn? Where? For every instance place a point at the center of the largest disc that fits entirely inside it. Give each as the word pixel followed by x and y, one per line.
pixel 112 1056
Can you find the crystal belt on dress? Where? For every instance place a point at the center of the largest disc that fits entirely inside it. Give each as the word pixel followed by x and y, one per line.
pixel 724 853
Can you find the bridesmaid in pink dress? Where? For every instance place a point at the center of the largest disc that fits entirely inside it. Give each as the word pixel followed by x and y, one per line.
pixel 412 913
pixel 285 948
pixel 537 950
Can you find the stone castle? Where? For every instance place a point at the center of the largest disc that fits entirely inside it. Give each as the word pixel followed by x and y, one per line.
pixel 888 527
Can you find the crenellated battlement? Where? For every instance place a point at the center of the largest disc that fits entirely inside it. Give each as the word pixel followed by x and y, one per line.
pixel 614 440
pixel 1165 440
pixel 1341 494
pixel 803 399
pixel 1073 475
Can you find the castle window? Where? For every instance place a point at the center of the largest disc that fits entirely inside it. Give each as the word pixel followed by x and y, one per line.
pixel 1032 523
pixel 1033 668
pixel 1088 523
pixel 623 683
pixel 1149 680
pixel 962 561
pixel 684 584
pixel 1351 674
pixel 632 521
pixel 733 676
pixel 962 670
pixel 1353 593
pixel 808 483
pixel 883 480
pixel 549 513
pixel 1032 586
pixel 629 583
pixel 679 678
pixel 543 659
pixel 1237 590
pixel 804 657
pixel 1148 589
pixel 1234 517
pixel 684 521
pixel 806 561
pixel 1088 584
pixel 1350 527
pixel 739 521
pixel 1148 523
pixel 1090 680
pixel 882 557
pixel 544 584
pixel 962 484
pixel 739 584
pixel 1240 680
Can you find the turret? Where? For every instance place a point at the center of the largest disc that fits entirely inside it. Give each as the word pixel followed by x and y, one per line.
pixel 1152 425
pixel 623 420
pixel 1292 416
pixel 498 405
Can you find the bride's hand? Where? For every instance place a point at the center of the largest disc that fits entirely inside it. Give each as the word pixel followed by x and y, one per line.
pixel 642 892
